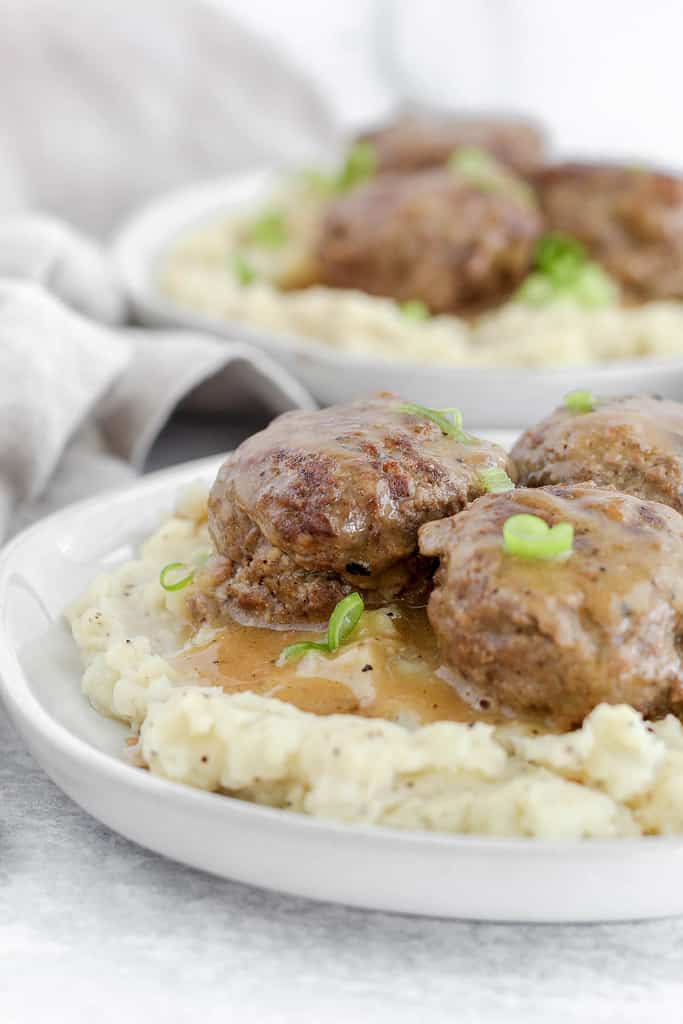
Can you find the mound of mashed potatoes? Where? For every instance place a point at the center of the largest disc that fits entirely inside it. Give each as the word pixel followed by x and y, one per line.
pixel 615 776
pixel 217 270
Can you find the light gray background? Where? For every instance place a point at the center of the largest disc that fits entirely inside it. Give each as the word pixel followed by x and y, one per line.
pixel 95 928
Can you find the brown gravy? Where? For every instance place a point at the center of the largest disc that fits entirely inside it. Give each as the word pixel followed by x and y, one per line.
pixel 388 669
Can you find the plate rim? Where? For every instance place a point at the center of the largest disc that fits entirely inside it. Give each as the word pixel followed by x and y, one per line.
pixel 26 709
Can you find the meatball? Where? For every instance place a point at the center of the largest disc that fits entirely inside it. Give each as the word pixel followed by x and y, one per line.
pixel 630 220
pixel 415 141
pixel 634 444
pixel 323 503
pixel 553 639
pixel 434 235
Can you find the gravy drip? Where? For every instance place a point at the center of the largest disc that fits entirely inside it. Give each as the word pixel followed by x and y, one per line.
pixel 388 669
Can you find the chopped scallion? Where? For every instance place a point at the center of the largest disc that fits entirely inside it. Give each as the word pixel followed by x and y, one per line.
pixel 243 270
pixel 343 621
pixel 528 536
pixel 359 166
pixel 496 480
pixel 172 569
pixel 580 401
pixel 449 421
pixel 270 229
pixel 562 272
pixel 415 309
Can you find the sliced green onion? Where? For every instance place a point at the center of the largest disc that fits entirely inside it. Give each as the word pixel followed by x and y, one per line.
pixel 496 480
pixel 303 647
pixel 562 271
pixel 476 164
pixel 559 257
pixel 270 229
pixel 449 421
pixel 580 401
pixel 243 270
pixel 529 536
pixel 343 621
pixel 171 569
pixel 415 309
pixel 359 166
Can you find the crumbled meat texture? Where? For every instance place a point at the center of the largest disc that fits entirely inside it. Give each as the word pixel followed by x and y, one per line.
pixel 416 141
pixel 298 508
pixel 634 444
pixel 630 220
pixel 556 638
pixel 433 236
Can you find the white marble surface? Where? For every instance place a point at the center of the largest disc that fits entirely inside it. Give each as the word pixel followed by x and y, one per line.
pixel 93 927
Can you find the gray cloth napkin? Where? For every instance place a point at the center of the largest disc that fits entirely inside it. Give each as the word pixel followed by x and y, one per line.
pixel 82 401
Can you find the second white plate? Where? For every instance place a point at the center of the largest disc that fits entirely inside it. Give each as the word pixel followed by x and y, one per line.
pixel 508 397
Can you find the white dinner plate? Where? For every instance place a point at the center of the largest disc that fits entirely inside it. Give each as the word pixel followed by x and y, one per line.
pixel 415 872
pixel 507 396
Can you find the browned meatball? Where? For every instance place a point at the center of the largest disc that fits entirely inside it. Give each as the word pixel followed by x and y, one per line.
pixel 556 638
pixel 634 444
pixel 434 235
pixel 415 141
pixel 630 220
pixel 323 503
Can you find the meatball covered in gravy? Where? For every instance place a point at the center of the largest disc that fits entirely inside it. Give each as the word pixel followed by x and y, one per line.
pixel 630 220
pixel 555 638
pixel 323 503
pixel 415 141
pixel 437 236
pixel 634 444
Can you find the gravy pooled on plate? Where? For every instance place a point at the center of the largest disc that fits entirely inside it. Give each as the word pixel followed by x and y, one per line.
pixel 388 669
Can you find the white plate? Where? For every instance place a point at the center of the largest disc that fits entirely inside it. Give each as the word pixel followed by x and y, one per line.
pixel 509 397
pixel 440 875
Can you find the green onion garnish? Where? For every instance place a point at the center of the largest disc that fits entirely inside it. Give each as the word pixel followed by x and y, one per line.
pixel 496 480
pixel 243 270
pixel 171 569
pixel 529 536
pixel 562 270
pixel 270 229
pixel 415 309
pixel 449 421
pixel 580 401
pixel 360 165
pixel 343 621
pixel 476 164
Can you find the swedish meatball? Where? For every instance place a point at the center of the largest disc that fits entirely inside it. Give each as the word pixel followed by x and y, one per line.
pixel 415 141
pixel 436 236
pixel 555 638
pixel 630 220
pixel 633 443
pixel 323 503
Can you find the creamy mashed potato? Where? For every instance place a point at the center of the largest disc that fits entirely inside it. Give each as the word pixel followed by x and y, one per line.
pixel 199 272
pixel 615 776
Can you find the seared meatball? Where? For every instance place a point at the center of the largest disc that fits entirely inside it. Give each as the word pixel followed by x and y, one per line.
pixel 434 235
pixel 634 444
pixel 323 503
pixel 630 220
pixel 415 141
pixel 555 638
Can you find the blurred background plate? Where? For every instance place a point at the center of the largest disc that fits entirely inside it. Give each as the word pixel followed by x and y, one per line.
pixel 507 397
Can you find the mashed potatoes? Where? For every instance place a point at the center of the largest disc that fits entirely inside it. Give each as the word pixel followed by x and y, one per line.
pixel 616 776
pixel 200 272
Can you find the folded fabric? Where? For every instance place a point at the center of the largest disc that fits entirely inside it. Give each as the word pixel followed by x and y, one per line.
pixel 80 402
